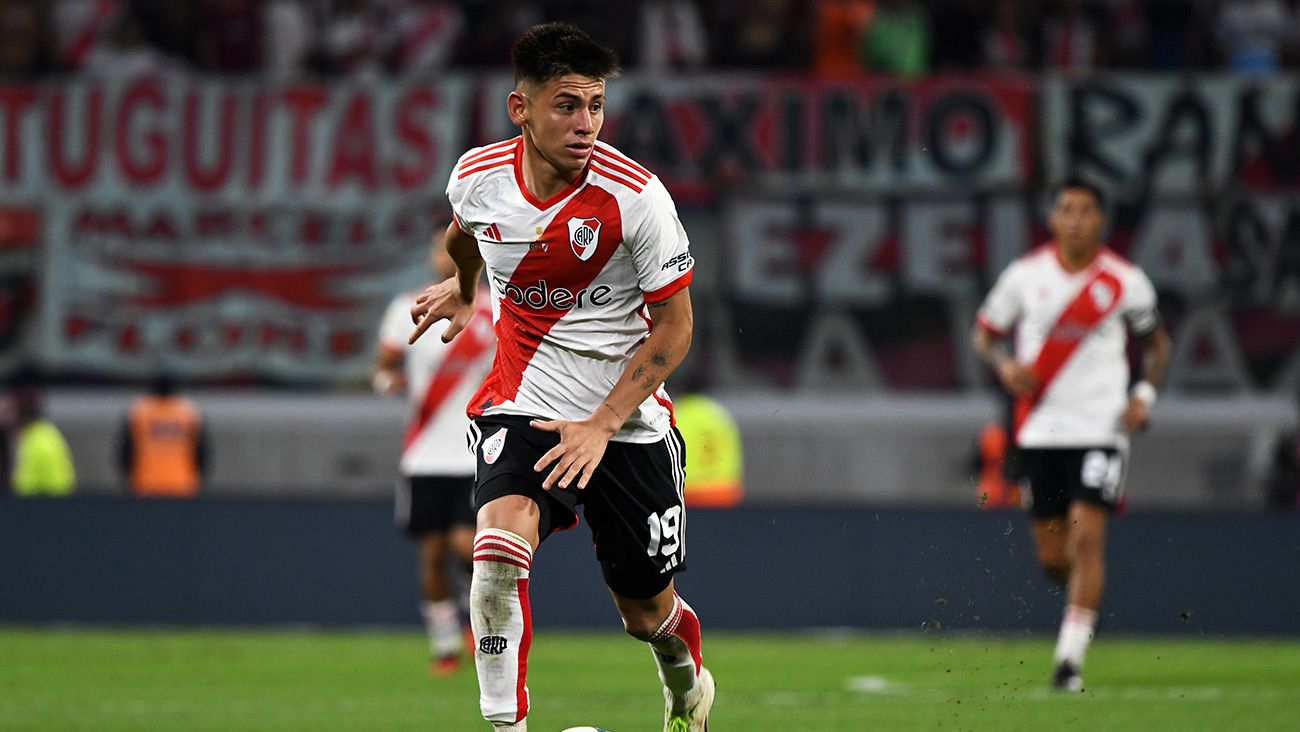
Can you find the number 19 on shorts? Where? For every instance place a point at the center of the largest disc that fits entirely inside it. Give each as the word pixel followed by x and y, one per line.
pixel 665 535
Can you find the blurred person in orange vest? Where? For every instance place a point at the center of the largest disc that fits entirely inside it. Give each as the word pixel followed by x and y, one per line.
pixel 839 26
pixel 995 488
pixel 163 451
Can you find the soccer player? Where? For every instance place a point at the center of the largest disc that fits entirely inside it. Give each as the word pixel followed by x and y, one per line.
pixel 433 503
pixel 589 268
pixel 1072 304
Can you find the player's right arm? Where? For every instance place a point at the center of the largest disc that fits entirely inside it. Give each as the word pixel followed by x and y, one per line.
pixel 999 311
pixel 1016 378
pixel 453 298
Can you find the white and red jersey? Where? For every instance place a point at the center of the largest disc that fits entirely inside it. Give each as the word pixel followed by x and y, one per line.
pixel 440 379
pixel 570 280
pixel 1071 328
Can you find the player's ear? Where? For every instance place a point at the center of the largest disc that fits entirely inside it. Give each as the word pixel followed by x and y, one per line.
pixel 517 106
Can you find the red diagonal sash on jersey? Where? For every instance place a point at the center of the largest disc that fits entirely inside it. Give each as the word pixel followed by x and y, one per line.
pixel 522 327
pixel 466 349
pixel 1096 299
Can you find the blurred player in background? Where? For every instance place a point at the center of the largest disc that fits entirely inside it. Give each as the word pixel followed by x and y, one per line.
pixel 434 502
pixel 163 449
pixel 1072 304
pixel 589 267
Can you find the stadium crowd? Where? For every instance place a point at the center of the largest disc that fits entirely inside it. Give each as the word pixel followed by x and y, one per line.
pixel 287 38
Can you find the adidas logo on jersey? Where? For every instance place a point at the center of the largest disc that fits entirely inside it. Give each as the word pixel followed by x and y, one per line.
pixel 493 232
pixel 540 295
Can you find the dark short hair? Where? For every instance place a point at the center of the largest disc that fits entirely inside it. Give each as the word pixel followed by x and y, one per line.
pixel 551 50
pixel 1079 183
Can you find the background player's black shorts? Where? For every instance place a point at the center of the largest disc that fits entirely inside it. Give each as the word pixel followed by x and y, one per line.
pixel 1059 476
pixel 432 503
pixel 633 502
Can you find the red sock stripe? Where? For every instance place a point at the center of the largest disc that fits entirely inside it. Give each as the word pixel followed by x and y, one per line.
pixel 500 546
pixel 525 643
pixel 687 627
pixel 504 537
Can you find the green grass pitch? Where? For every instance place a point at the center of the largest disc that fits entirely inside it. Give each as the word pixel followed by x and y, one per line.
pixel 53 680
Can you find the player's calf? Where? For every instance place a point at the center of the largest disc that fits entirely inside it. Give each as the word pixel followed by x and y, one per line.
pixel 676 647
pixel 502 625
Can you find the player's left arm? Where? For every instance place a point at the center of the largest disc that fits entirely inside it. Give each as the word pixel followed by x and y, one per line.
pixel 583 443
pixel 1144 323
pixel 1155 361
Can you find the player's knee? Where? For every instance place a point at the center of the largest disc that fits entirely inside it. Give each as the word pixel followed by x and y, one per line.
pixel 641 626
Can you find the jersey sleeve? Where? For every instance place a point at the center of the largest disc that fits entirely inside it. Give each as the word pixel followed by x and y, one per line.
pixel 1139 306
pixel 458 190
pixel 1001 307
pixel 396 326
pixel 660 250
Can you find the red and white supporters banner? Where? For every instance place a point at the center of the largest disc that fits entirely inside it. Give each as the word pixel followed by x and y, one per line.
pixel 1164 135
pixel 223 228
pixel 707 134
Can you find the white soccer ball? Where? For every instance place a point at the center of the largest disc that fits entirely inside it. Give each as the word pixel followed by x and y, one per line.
pixel 585 729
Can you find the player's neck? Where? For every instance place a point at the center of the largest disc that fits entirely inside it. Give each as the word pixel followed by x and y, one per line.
pixel 543 178
pixel 1076 261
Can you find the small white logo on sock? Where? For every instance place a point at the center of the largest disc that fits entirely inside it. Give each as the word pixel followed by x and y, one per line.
pixel 492 446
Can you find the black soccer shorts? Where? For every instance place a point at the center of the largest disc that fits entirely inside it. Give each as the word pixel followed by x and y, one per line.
pixel 1059 476
pixel 430 504
pixel 634 501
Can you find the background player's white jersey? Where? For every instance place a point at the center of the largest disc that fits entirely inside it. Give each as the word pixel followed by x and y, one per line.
pixel 434 443
pixel 1082 404
pixel 570 277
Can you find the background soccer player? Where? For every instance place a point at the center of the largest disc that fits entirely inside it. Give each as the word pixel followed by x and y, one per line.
pixel 433 498
pixel 1072 303
pixel 589 268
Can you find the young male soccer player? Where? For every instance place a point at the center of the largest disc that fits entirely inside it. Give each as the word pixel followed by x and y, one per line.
pixel 589 268
pixel 433 496
pixel 1072 303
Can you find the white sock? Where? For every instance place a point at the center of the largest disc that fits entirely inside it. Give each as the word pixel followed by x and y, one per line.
pixel 1076 632
pixel 502 624
pixel 442 622
pixel 676 649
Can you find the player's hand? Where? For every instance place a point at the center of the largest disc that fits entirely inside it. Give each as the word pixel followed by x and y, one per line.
pixel 441 301
pixel 582 445
pixel 1135 416
pixel 1017 378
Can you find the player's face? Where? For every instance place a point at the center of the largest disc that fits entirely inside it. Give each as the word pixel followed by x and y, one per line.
pixel 562 118
pixel 1076 221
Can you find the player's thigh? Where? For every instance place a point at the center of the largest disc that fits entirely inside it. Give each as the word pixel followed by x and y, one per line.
pixel 507 491
pixel 637 514
pixel 1043 471
pixel 1097 478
